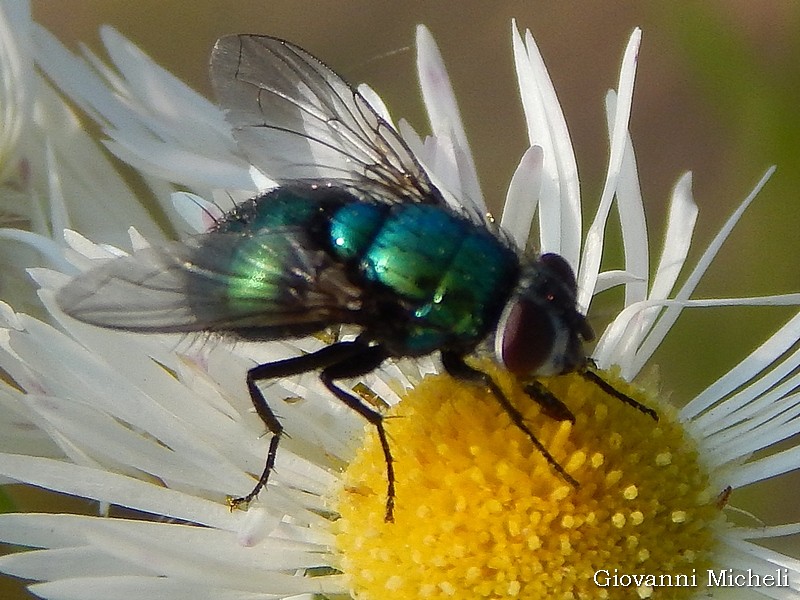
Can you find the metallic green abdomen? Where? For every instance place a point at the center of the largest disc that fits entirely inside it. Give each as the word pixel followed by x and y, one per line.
pixel 271 227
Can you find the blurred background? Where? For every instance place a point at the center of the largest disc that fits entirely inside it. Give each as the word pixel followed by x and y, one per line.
pixel 717 92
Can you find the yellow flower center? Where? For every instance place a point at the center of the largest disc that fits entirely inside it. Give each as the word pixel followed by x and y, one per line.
pixel 479 513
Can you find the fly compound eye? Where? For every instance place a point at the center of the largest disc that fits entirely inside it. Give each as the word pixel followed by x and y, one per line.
pixel 525 338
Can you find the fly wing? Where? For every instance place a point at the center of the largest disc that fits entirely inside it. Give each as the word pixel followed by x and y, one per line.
pixel 266 285
pixel 295 119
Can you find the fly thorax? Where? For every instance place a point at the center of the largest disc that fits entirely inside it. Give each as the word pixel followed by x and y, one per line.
pixel 540 331
pixel 442 279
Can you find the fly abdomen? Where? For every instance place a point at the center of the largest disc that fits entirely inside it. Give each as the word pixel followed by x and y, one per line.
pixel 262 259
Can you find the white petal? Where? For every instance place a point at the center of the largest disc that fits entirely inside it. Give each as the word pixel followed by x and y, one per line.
pixel 181 554
pixel 141 588
pixel 681 221
pixel 560 210
pixel 151 400
pixel 16 84
pixel 749 533
pixel 743 555
pixel 205 555
pixel 753 402
pixel 59 217
pixel 98 484
pixel 49 249
pixel 110 443
pixel 152 117
pixel 523 196
pixel 413 139
pixel 172 163
pixel 630 207
pixel 445 118
pixel 138 241
pixel 440 161
pixel 593 247
pixel 199 119
pixel 670 315
pixel 133 588
pixel 680 226
pixel 615 341
pixel 63 563
pixel 610 279
pixel 746 370
pixel 776 464
pixel 19 432
pixel 766 419
pixel 98 200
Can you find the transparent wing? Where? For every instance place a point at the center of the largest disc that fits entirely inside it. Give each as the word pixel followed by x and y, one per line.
pixel 296 119
pixel 266 285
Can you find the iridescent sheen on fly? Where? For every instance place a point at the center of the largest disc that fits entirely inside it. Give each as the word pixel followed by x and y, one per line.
pixel 355 233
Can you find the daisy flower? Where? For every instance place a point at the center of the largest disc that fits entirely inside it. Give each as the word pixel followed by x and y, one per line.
pixel 158 429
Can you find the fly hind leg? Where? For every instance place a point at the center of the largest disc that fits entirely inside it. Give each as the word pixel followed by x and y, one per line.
pixel 320 359
pixel 362 363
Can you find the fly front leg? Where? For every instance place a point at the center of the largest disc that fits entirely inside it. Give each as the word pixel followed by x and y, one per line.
pixel 456 367
pixel 609 389
pixel 551 406
pixel 286 368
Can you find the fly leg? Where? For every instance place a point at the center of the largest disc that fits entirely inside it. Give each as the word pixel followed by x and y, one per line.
pixel 609 389
pixel 320 359
pixel 456 367
pixel 354 365
pixel 552 406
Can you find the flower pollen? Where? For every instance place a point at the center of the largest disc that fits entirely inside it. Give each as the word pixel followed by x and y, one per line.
pixel 481 514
